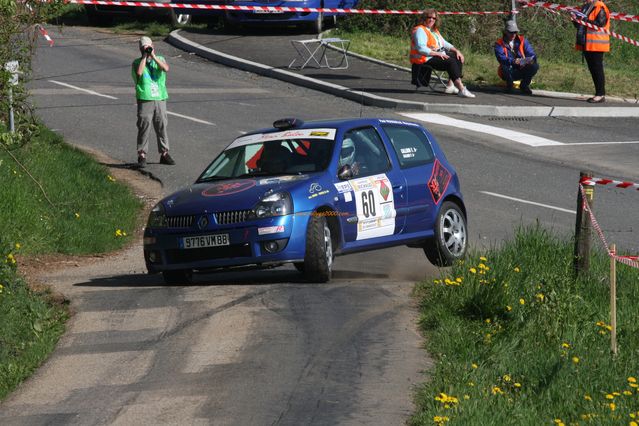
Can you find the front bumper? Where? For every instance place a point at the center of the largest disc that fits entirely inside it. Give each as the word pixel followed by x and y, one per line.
pixel 162 251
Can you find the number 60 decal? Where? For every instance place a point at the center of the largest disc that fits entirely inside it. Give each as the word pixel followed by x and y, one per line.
pixel 368 203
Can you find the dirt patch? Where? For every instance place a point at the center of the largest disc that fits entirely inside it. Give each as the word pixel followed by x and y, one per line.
pixel 143 185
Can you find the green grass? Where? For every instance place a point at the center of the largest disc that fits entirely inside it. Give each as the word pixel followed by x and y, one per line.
pixel 55 199
pixel 519 341
pixel 481 69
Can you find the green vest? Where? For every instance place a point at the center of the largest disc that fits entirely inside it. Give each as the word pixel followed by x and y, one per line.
pixel 151 86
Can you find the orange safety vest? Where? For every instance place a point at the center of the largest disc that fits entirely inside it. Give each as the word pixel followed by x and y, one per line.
pixel 596 40
pixel 503 45
pixel 432 43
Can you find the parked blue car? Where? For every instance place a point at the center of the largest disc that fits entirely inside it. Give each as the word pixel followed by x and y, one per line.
pixel 303 193
pixel 314 20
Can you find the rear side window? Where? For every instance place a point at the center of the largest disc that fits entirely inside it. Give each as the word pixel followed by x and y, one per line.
pixel 411 145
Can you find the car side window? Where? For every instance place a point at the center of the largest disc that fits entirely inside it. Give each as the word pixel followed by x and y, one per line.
pixel 411 145
pixel 364 150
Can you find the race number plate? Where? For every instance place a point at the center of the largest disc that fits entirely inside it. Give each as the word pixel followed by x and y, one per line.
pixel 203 241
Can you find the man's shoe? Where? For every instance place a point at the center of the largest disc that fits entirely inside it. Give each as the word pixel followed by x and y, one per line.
pixel 451 90
pixel 141 161
pixel 166 159
pixel 525 90
pixel 465 93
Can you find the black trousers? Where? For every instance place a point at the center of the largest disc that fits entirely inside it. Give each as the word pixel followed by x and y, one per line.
pixel 452 66
pixel 596 68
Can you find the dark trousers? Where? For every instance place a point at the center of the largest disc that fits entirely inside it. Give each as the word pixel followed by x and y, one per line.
pixel 596 68
pixel 452 66
pixel 525 74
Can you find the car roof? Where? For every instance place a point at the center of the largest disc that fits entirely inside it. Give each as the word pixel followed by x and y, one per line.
pixel 336 123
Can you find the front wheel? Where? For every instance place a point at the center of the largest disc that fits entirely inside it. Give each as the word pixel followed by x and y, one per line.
pixel 450 241
pixel 318 260
pixel 318 24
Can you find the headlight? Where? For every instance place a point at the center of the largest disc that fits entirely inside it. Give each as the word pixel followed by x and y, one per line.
pixel 157 217
pixel 278 204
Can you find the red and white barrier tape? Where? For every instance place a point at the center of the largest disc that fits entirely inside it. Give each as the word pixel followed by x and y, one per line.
pixel 632 261
pixel 555 6
pixel 44 34
pixel 272 8
pixel 589 180
pixel 612 33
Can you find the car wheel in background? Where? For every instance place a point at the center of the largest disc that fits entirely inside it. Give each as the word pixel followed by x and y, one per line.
pixel 179 19
pixel 450 241
pixel 182 276
pixel 318 259
pixel 318 23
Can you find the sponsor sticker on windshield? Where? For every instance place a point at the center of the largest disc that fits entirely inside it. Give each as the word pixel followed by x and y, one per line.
pixel 328 134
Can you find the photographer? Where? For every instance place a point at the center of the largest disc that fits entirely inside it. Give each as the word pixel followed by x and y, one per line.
pixel 517 59
pixel 149 74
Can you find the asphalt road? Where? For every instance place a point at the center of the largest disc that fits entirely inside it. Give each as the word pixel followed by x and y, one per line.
pixel 264 347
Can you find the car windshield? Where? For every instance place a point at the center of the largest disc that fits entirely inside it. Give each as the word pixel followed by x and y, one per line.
pixel 270 158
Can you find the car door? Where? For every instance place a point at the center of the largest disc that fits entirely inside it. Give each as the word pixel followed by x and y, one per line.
pixel 426 179
pixel 372 201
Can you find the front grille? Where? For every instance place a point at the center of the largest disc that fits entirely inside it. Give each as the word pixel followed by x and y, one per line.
pixel 196 255
pixel 180 221
pixel 234 216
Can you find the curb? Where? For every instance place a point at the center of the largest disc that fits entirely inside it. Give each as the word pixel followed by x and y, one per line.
pixel 368 99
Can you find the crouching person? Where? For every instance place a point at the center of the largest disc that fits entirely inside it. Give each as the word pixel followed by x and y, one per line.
pixel 517 59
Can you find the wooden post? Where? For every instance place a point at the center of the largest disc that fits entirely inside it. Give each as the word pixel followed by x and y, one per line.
pixel 582 228
pixel 613 301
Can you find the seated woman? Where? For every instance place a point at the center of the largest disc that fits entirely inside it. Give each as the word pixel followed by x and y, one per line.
pixel 428 47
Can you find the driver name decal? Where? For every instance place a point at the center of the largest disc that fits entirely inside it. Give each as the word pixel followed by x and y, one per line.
pixel 438 182
pixel 228 188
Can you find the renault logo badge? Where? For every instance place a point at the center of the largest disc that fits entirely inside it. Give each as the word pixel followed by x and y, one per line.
pixel 203 222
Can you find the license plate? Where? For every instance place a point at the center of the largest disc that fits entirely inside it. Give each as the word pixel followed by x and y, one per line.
pixel 202 241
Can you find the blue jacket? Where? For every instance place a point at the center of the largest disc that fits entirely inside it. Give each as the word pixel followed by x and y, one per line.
pixel 505 55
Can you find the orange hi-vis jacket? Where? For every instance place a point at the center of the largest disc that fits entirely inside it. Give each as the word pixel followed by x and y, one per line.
pixel 415 56
pixel 597 40
pixel 522 54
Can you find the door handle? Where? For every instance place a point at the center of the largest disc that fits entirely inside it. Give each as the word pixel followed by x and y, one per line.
pixel 397 188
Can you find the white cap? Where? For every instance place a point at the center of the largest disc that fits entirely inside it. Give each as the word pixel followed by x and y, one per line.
pixel 145 41
pixel 511 27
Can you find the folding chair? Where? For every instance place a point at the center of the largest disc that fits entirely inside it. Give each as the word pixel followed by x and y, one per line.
pixel 421 75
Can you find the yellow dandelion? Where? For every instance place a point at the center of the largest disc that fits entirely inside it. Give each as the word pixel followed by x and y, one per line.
pixel 565 345
pixel 558 422
pixel 487 320
pixel 77 215
pixel 540 296
pixel 627 392
pixel 506 378
pixel 522 302
pixel 609 396
pixel 472 270
pixel 632 380
pixel 633 385
pixel 612 406
pixel 483 259
pixel 616 394
pixel 587 397
pixel 496 390
pixel 466 397
pixel 575 359
pixel 17 245
pixel 459 279
pixel 633 423
pixel 111 178
pixel 516 269
pixel 517 385
pixel 471 384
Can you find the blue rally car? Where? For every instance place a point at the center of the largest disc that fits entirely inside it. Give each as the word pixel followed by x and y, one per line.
pixel 305 192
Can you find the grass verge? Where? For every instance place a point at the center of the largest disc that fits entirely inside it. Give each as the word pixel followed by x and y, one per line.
pixel 56 199
pixel 481 70
pixel 518 340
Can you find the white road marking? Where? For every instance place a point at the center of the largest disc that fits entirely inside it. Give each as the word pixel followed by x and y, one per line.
pixel 186 117
pixel 603 143
pixel 512 135
pixel 90 92
pixel 528 202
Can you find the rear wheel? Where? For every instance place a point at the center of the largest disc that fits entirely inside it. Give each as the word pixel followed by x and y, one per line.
pixel 299 266
pixel 182 276
pixel 318 23
pixel 318 260
pixel 450 240
pixel 179 19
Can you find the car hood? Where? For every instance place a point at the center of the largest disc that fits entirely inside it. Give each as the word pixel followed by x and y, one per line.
pixel 226 195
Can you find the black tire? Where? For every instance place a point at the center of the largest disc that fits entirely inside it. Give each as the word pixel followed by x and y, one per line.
pixel 451 237
pixel 179 277
pixel 179 19
pixel 318 24
pixel 299 266
pixel 318 260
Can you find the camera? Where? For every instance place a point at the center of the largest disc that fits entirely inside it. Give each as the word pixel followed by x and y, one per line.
pixel 148 49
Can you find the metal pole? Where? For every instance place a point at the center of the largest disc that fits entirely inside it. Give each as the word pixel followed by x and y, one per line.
pixel 513 9
pixel 12 127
